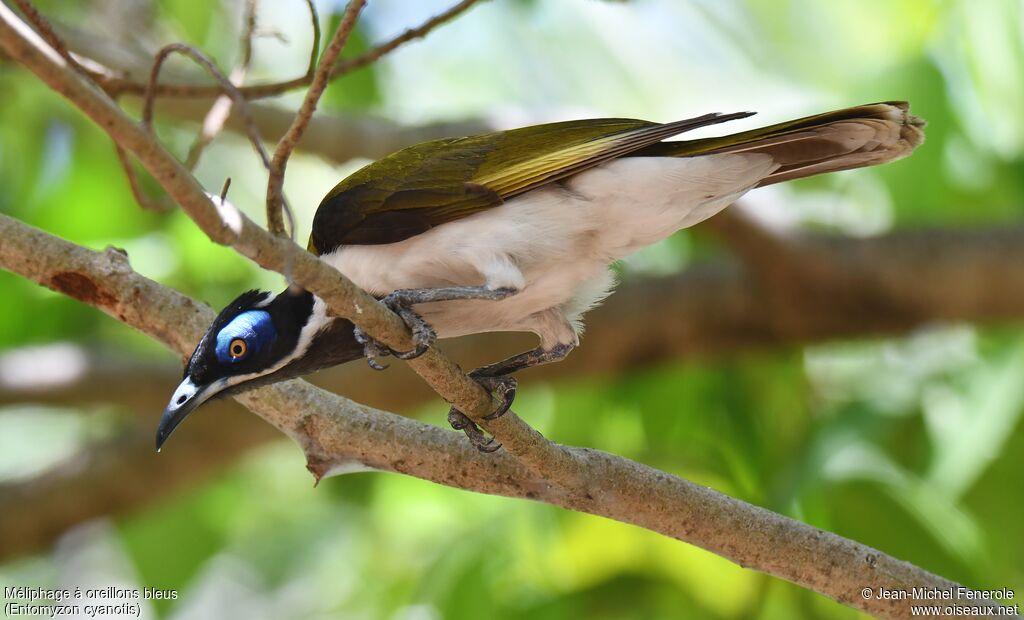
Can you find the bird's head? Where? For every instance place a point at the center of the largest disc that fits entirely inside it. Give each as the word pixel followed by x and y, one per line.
pixel 259 338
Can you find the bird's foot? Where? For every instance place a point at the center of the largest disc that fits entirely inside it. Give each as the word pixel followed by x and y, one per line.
pixel 423 335
pixel 480 441
pixel 504 387
pixel 371 349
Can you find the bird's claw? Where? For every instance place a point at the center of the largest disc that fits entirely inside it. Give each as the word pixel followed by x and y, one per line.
pixel 423 334
pixel 476 436
pixel 371 349
pixel 505 388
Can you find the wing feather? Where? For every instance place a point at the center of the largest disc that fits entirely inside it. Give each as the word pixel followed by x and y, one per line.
pixel 417 188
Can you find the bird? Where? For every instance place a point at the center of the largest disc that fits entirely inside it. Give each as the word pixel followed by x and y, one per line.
pixel 514 231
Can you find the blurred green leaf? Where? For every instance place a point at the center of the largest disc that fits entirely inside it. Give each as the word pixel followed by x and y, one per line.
pixel 359 90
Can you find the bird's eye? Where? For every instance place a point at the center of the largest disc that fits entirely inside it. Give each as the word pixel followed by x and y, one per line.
pixel 245 336
pixel 237 349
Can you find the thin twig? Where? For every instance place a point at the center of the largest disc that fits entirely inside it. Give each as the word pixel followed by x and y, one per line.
pixel 226 88
pixel 248 32
pixel 321 77
pixel 219 112
pixel 117 85
pixel 45 30
pixel 373 55
pixel 160 204
pixel 224 190
pixel 120 85
pixel 314 52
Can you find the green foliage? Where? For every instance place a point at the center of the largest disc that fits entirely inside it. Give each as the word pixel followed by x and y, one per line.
pixel 194 20
pixel 913 444
pixel 360 92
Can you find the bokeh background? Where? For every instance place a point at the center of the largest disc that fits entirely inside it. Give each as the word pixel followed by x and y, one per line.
pixel 912 444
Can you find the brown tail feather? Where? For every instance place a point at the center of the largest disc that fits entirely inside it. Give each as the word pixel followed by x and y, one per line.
pixel 865 135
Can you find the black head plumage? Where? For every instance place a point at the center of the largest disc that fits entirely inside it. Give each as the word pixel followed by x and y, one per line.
pixel 250 335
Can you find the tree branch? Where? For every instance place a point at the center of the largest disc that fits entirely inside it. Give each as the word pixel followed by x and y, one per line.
pixel 337 434
pixel 46 31
pixel 334 432
pixel 229 89
pixel 716 308
pixel 335 137
pixel 338 138
pixel 763 251
pixel 117 82
pixel 158 204
pixel 372 56
pixel 920 277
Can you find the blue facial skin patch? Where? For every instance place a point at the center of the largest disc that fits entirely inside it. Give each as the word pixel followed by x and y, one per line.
pixel 254 327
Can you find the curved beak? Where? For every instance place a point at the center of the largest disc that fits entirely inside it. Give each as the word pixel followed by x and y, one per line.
pixel 185 400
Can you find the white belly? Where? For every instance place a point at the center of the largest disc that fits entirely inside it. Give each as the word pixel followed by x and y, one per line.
pixel 555 243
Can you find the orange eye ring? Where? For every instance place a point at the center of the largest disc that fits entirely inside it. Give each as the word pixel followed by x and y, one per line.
pixel 237 349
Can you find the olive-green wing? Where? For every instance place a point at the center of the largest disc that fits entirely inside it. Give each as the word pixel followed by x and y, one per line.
pixel 417 188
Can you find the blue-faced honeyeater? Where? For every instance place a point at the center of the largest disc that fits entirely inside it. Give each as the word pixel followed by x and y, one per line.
pixel 514 231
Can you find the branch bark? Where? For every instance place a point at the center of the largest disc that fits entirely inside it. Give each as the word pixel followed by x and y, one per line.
pixel 335 433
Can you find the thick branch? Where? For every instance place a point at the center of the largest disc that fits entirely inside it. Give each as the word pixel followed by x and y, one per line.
pixel 336 434
pixel 768 253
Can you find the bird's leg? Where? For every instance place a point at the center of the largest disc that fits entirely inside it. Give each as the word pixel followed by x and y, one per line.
pixel 496 378
pixel 401 302
pixel 557 338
